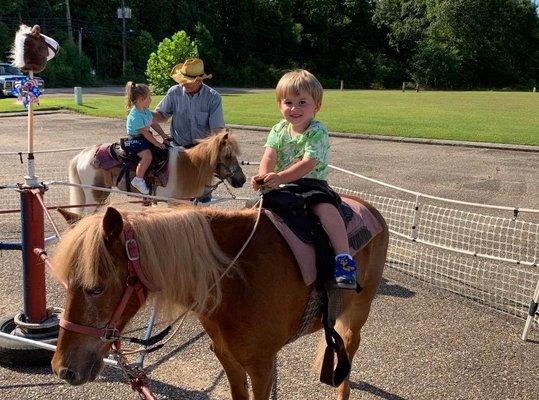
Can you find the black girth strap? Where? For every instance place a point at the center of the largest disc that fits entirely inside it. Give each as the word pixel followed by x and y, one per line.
pixel 335 346
pixel 124 173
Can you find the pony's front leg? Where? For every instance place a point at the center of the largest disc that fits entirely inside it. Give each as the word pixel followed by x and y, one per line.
pixel 261 378
pixel 237 377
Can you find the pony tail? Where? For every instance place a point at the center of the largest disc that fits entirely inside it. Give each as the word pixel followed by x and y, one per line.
pixel 129 94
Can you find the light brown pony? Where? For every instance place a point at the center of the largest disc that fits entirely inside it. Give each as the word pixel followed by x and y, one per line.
pixel 199 244
pixel 189 171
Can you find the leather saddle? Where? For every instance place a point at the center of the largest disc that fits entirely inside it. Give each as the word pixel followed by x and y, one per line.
pixel 120 154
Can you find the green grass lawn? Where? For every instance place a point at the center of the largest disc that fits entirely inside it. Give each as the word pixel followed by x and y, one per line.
pixel 496 117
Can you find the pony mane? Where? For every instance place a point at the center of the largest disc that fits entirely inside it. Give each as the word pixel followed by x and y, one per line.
pixel 81 257
pixel 199 162
pixel 178 254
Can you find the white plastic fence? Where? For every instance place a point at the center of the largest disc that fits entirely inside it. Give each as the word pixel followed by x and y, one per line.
pixel 487 259
pixel 491 259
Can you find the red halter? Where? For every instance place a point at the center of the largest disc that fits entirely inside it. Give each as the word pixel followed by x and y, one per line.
pixel 135 282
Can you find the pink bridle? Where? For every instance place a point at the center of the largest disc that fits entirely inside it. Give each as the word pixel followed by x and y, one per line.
pixel 135 283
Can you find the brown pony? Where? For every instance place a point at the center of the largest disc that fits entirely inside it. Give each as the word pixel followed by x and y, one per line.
pixel 200 243
pixel 189 171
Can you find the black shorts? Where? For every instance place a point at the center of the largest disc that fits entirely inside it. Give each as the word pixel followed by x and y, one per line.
pixel 137 144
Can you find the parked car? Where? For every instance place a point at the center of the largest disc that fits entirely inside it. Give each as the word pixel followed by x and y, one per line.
pixel 10 74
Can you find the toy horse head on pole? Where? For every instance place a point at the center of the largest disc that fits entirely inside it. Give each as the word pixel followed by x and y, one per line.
pixel 32 49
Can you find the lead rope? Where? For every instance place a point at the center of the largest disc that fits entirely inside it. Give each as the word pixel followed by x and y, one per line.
pixel 137 377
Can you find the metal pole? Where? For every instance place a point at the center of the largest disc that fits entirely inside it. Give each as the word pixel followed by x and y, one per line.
pixel 46 346
pixel 34 291
pixel 148 334
pixel 30 177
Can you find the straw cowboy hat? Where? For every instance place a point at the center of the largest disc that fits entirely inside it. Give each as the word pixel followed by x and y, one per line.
pixel 191 70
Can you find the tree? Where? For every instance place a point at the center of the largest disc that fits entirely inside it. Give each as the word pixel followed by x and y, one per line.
pixel 68 68
pixel 5 41
pixel 207 50
pixel 405 23
pixel 496 40
pixel 169 53
pixel 140 49
pixel 436 64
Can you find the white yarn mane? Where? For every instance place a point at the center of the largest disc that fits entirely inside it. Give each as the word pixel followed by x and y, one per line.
pixel 17 51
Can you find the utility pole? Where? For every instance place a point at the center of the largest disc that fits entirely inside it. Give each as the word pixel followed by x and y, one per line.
pixel 68 17
pixel 124 13
pixel 80 41
pixel 124 49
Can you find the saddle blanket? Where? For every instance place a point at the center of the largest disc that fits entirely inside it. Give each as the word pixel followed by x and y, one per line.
pixel 361 229
pixel 103 159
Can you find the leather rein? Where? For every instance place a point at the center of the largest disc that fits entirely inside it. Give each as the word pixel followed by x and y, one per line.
pixel 135 283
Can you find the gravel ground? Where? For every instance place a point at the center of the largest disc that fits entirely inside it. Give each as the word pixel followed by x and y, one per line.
pixel 419 343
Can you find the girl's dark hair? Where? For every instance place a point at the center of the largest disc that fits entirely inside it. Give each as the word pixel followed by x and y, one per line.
pixel 133 91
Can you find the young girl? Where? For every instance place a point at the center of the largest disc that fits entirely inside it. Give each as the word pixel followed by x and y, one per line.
pixel 140 138
pixel 297 147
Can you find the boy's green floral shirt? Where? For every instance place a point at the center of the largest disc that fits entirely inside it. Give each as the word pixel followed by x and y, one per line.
pixel 313 143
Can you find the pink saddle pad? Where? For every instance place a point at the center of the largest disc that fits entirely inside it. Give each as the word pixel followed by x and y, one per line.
pixel 103 159
pixel 361 229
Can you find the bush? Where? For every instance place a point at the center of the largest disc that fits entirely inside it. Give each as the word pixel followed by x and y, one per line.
pixel 169 53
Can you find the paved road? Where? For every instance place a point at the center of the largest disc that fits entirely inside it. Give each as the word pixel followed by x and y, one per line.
pixel 420 343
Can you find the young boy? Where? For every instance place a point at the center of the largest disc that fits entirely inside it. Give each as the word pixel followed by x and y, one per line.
pixel 297 147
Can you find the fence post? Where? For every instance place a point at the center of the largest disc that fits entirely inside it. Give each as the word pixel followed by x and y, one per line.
pixel 415 221
pixel 342 84
pixel 532 312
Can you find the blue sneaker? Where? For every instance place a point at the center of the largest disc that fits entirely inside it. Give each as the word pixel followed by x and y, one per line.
pixel 345 272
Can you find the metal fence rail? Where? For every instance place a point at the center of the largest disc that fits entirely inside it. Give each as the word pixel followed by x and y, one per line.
pixel 490 259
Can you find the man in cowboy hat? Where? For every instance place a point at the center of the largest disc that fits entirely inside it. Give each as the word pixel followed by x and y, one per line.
pixel 195 108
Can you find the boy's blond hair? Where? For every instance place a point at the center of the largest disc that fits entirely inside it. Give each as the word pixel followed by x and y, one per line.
pixel 299 80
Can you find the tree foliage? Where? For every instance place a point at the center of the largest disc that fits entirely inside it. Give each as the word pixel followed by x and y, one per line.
pixel 381 43
pixel 68 68
pixel 169 53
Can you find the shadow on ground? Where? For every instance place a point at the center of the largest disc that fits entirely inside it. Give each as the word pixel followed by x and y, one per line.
pixel 395 290
pixel 367 387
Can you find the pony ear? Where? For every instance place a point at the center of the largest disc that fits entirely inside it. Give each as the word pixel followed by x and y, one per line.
pixel 223 138
pixel 70 217
pixel 112 223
